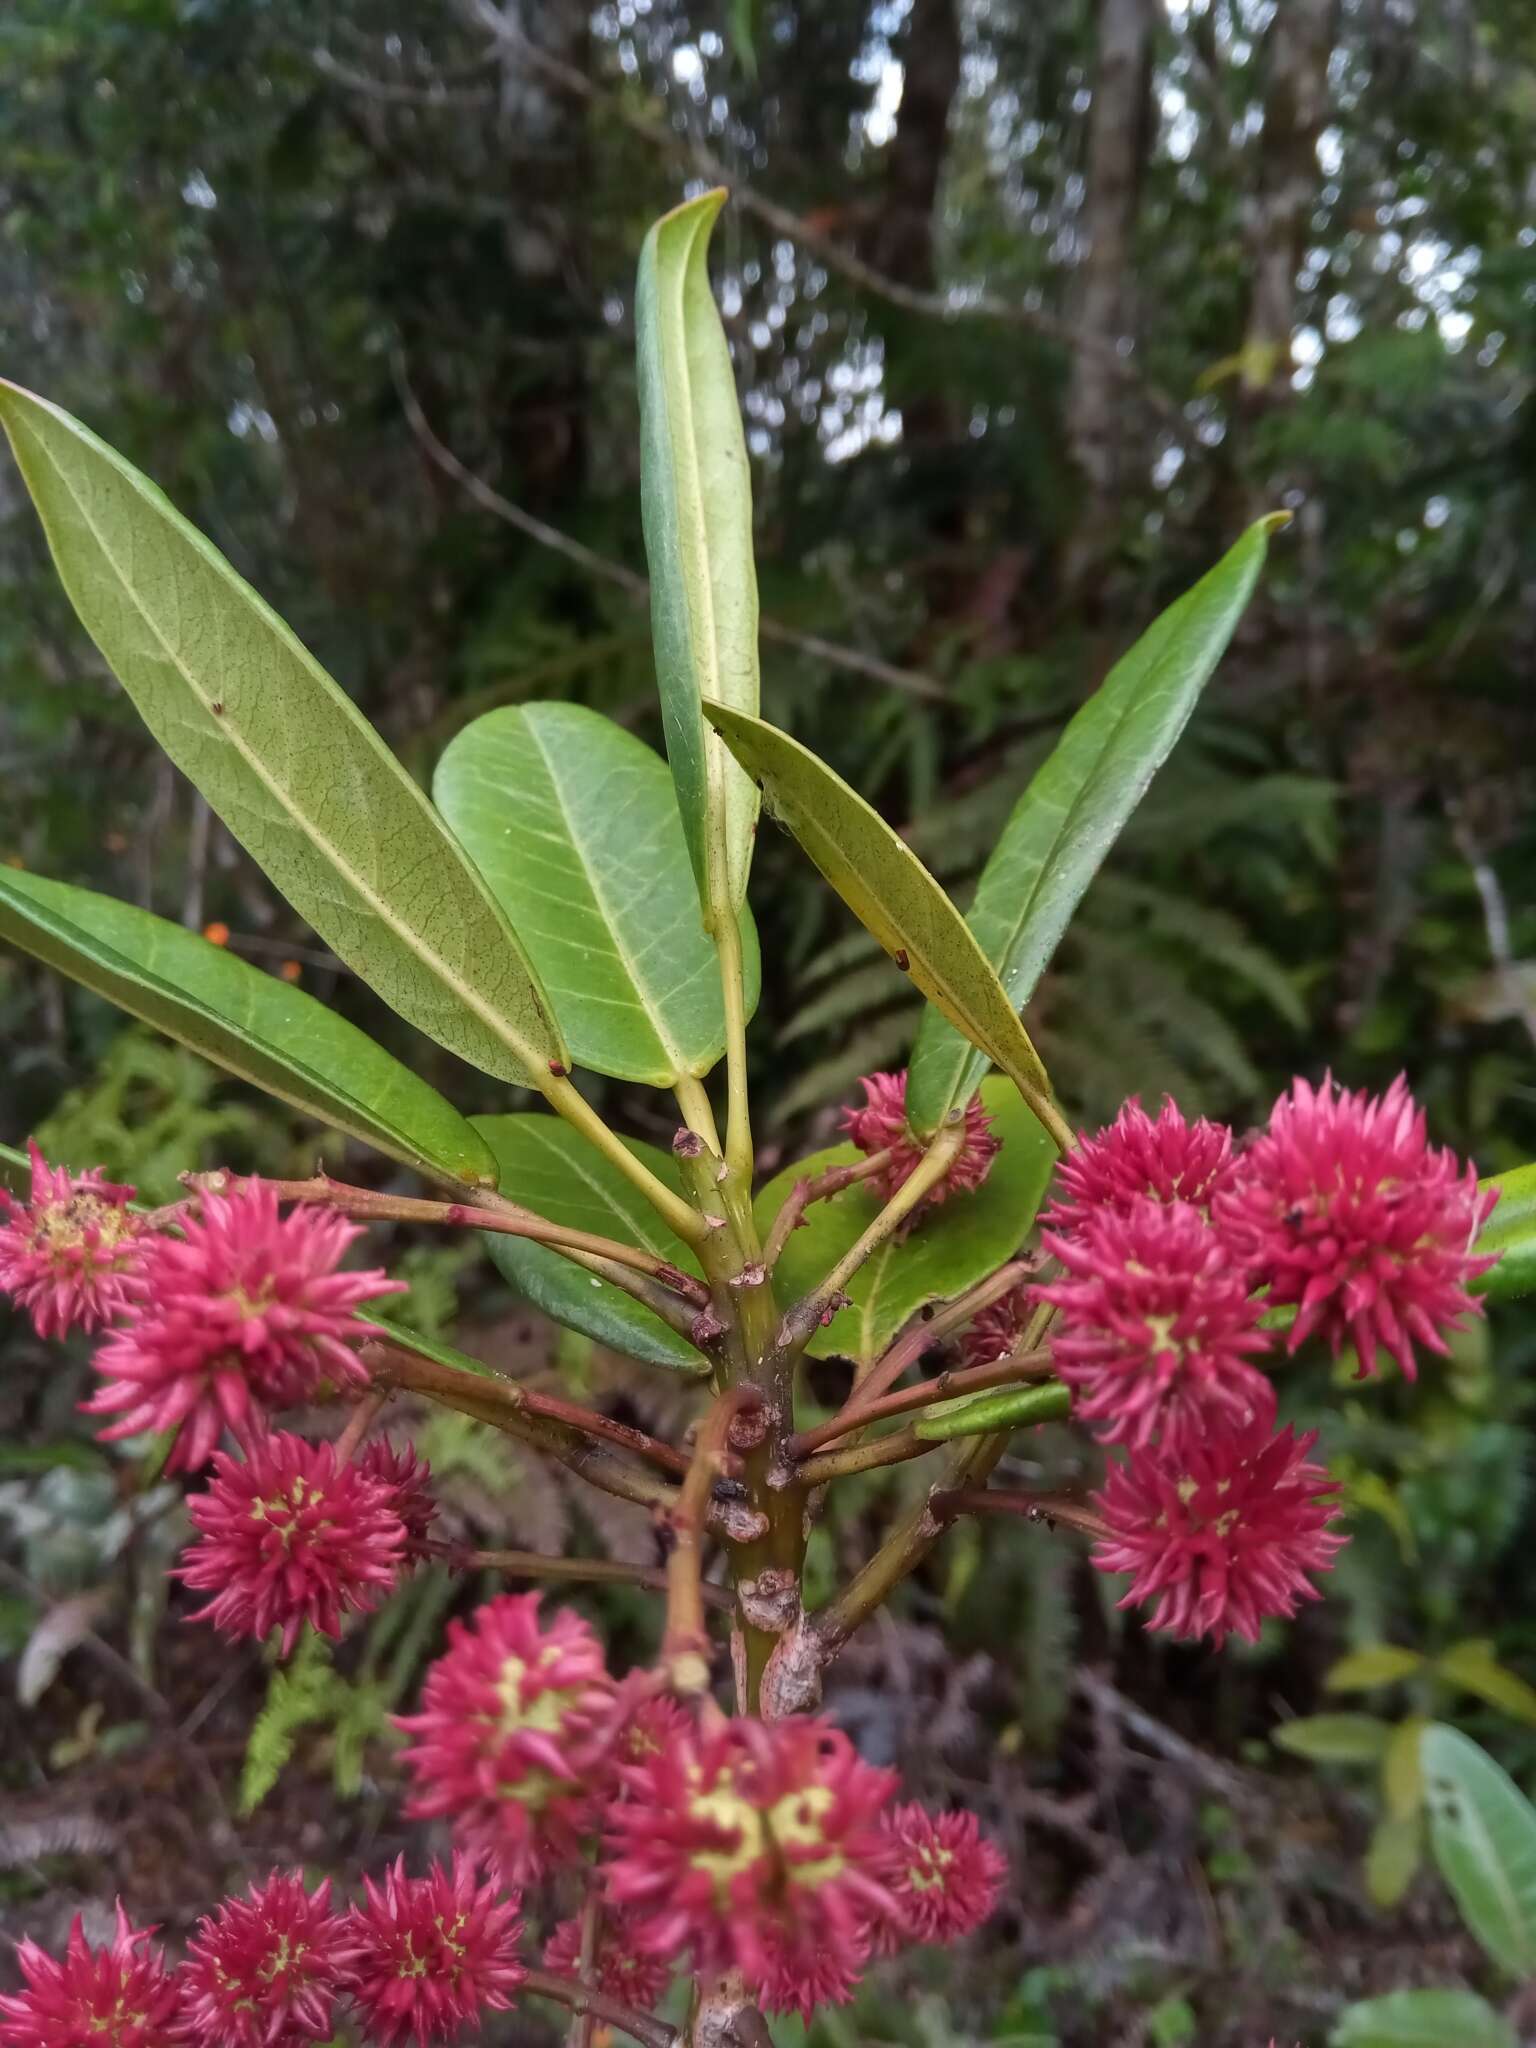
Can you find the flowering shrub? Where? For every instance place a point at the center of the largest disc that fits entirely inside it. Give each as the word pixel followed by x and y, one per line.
pixel 707 1824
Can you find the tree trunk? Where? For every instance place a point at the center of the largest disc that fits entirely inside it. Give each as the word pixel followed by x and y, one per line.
pixel 1295 109
pixel 1119 132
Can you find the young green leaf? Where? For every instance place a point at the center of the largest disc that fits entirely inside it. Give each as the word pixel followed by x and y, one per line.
pixel 1392 1858
pixel 1078 802
pixel 274 1036
pixel 1402 1770
pixel 1334 1738
pixel 696 503
pixel 551 1169
pixel 1474 1668
pixel 887 888
pixel 1000 1408
pixel 1376 1664
pixel 15 1171
pixel 1482 1829
pixel 956 1244
pixel 1510 1231
pixel 573 823
pixel 1423 2019
pixel 288 762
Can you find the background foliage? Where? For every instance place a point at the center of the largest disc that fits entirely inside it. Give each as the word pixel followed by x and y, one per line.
pixel 1033 304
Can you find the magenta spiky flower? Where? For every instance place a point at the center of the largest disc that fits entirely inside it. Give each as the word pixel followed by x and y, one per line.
pixel 1156 1325
pixel 121 1996
pixel 405 1479
pixel 1344 1208
pixel 994 1332
pixel 287 1535
pixel 244 1312
pixel 512 1736
pixel 623 1970
pixel 434 1952
pixel 70 1254
pixel 942 1872
pixel 1222 1534
pixel 755 1845
pixel 882 1124
pixel 1163 1158
pixel 265 1970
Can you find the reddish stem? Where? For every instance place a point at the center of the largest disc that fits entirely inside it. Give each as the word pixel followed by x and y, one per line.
pixel 817 1187
pixel 971 1379
pixel 1033 1507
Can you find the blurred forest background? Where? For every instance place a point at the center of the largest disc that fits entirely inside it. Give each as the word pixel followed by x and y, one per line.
pixel 1034 303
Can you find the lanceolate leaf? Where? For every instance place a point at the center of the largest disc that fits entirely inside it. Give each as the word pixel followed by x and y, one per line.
pixel 551 1169
pixel 1482 1829
pixel 1510 1231
pixel 887 888
pixel 957 1244
pixel 283 756
pixel 272 1035
pixel 696 499
pixel 574 824
pixel 1334 1738
pixel 1079 800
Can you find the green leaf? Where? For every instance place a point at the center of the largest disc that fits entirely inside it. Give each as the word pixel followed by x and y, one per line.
pixel 288 762
pixel 1473 1667
pixel 1510 1231
pixel 1077 804
pixel 1393 1858
pixel 573 823
pixel 1423 2019
pixel 1334 1738
pixel 15 1171
pixel 696 501
pixel 1402 1769
pixel 1482 1829
pixel 247 1022
pixel 1376 1664
pixel 959 1242
pixel 552 1169
pixel 887 888
pixel 1002 1408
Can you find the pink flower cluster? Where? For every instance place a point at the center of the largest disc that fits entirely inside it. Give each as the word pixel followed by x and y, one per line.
pixel 419 1959
pixel 770 1848
pixel 1175 1249
pixel 881 1126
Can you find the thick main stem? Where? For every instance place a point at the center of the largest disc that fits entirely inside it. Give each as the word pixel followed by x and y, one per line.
pixel 739 1156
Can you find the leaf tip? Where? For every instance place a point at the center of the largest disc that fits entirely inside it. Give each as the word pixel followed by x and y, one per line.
pixel 1273 522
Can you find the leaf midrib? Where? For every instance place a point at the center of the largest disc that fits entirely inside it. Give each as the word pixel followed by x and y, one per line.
pixel 654 1017
pixel 227 728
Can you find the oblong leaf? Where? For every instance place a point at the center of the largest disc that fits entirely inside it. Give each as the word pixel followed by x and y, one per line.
pixel 1473 1667
pixel 1077 803
pixel 1402 1770
pixel 1001 1408
pixel 550 1168
pixel 696 503
pixel 1334 1738
pixel 1482 1829
pixel 1423 2019
pixel 1392 1858
pixel 886 887
pixel 573 823
pixel 285 758
pixel 253 1025
pixel 956 1244
pixel 1376 1664
pixel 1511 1232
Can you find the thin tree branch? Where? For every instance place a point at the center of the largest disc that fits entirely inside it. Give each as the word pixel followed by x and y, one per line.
pixel 971 1379
pixel 895 1449
pixel 685 1644
pixel 922 1335
pixel 601 1571
pixel 1033 1507
pixel 911 681
pixel 817 1187
pixel 640 2026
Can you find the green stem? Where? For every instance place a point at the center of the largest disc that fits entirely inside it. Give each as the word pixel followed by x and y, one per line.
pixel 804 1318
pixel 972 1379
pixel 697 1110
pixel 739 1156
pixel 894 1449
pixel 567 1100
pixel 597 1571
